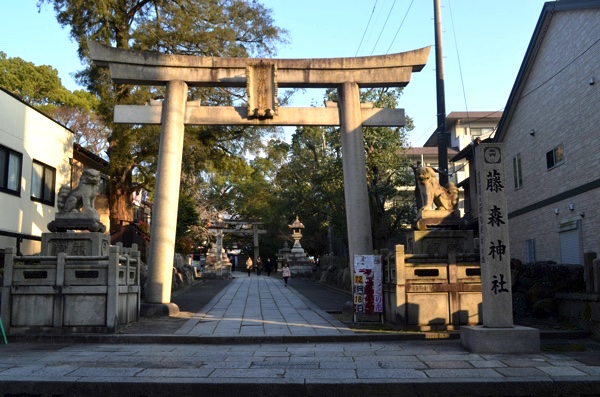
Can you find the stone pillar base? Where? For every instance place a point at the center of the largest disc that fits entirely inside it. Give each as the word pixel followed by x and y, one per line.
pixel 158 309
pixel 518 339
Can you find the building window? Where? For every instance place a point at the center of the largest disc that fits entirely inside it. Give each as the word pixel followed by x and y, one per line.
pixel 530 251
pixel 43 179
pixel 103 187
pixel 478 132
pixel 554 157
pixel 517 171
pixel 10 171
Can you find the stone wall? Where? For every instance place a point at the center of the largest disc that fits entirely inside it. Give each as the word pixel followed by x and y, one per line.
pixel 335 272
pixel 183 274
pixel 536 285
pixel 562 113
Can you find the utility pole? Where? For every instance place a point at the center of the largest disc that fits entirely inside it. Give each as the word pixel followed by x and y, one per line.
pixel 441 101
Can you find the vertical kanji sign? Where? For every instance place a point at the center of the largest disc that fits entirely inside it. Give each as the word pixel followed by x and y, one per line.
pixel 368 284
pixel 493 236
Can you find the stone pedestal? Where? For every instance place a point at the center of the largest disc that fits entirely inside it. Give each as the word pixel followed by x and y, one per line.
pixel 214 268
pixel 437 218
pixel 440 242
pixel 77 221
pixel 75 244
pixel 283 255
pixel 296 259
pixel 483 340
pixel 299 264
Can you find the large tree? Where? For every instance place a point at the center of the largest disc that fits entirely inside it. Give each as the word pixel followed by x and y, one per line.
pixel 312 180
pixel 232 28
pixel 40 86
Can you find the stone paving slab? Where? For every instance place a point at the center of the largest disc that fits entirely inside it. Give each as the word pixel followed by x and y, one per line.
pixel 257 337
pixel 261 306
pixel 316 369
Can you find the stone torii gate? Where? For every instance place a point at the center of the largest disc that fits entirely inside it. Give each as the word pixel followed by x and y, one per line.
pixel 261 77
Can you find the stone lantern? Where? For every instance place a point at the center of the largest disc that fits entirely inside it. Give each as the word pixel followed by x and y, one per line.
pixel 296 257
pixel 297 227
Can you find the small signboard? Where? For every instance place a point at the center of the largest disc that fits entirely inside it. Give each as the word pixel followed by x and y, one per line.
pixel 368 284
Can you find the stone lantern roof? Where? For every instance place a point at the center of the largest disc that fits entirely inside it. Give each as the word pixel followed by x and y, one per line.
pixel 297 224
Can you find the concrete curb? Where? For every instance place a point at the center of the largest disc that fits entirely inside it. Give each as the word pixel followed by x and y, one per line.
pixel 229 340
pixel 161 387
pixel 262 339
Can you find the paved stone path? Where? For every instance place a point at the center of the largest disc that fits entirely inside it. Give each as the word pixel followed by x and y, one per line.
pixel 370 368
pixel 261 306
pixel 258 337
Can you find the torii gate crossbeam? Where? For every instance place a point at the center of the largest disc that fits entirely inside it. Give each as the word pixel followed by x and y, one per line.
pixel 178 72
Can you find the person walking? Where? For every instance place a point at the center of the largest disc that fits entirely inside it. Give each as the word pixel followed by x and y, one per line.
pixel 285 272
pixel 249 266
pixel 268 267
pixel 259 266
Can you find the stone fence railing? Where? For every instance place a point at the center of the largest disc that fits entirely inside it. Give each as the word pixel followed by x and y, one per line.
pixel 62 294
pixel 428 291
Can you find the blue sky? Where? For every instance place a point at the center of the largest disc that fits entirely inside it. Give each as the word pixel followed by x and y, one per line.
pixel 491 37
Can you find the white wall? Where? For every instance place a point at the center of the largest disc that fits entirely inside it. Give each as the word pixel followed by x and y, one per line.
pixel 38 137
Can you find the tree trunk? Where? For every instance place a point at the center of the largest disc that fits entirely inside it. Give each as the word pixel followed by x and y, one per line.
pixel 120 202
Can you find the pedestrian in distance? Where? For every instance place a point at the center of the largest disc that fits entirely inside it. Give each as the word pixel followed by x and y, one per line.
pixel 249 266
pixel 259 266
pixel 268 267
pixel 285 272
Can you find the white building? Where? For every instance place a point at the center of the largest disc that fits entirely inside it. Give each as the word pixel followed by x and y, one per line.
pixel 35 155
pixel 463 128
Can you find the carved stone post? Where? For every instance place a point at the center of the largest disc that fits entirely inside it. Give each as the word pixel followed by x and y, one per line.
pixel 358 216
pixel 164 215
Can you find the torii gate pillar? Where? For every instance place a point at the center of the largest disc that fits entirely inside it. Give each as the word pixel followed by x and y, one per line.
pixel 358 217
pixel 164 214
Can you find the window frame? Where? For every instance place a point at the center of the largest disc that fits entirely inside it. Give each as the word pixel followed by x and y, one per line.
pixel 517 171
pixel 8 152
pixel 530 247
pixel 103 187
pixel 479 132
pixel 557 151
pixel 44 200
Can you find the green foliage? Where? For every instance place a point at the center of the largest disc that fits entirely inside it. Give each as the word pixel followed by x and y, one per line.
pixel 36 85
pixel 305 178
pixel 188 225
pixel 41 87
pixel 312 180
pixel 387 171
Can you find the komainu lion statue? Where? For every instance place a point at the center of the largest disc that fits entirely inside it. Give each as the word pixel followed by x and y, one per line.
pixel 76 208
pixel 82 197
pixel 429 192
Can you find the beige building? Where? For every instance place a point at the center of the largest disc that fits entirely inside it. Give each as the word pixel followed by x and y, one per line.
pixel 463 128
pixel 34 161
pixel 551 134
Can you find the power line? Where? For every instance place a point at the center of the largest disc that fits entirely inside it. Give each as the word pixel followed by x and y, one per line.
pixel 462 82
pixel 366 28
pixel 561 70
pixel 425 132
pixel 401 23
pixel 383 27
